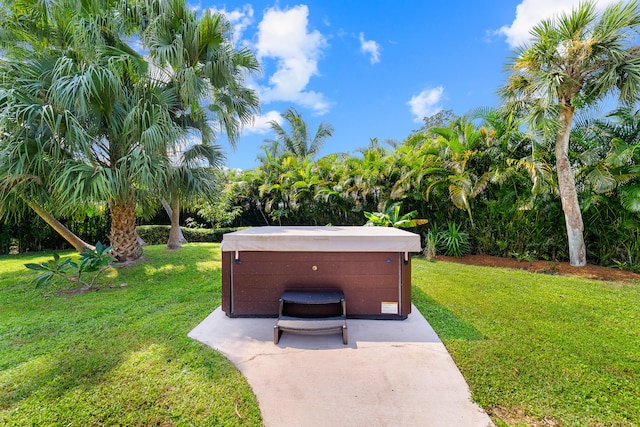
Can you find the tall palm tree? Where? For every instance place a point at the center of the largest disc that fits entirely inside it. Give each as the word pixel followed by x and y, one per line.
pixel 193 173
pixel 36 135
pixel 298 141
pixel 194 55
pixel 107 115
pixel 574 60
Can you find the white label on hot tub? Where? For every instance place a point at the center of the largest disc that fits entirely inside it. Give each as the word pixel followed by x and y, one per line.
pixel 389 307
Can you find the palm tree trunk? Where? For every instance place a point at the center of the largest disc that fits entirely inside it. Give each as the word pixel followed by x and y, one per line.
pixel 67 234
pixel 124 237
pixel 174 233
pixel 169 212
pixel 568 193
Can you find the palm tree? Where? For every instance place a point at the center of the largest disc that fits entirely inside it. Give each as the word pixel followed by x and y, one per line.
pixel 12 198
pixel 193 174
pixel 113 114
pixel 298 141
pixel 512 150
pixel 574 60
pixel 457 166
pixel 194 55
pixel 106 119
pixel 36 136
pixel 612 153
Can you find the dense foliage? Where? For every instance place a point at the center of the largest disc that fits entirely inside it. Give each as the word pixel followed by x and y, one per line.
pixel 158 234
pixel 480 172
pixel 574 60
pixel 30 233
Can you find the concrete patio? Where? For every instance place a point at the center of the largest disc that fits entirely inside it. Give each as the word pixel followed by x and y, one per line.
pixel 391 373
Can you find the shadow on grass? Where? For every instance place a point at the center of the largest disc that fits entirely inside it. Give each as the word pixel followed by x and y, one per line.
pixel 120 348
pixel 447 325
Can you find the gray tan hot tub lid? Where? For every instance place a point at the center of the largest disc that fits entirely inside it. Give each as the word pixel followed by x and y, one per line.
pixel 321 239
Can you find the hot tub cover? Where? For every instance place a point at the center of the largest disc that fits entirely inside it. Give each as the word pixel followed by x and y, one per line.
pixel 321 239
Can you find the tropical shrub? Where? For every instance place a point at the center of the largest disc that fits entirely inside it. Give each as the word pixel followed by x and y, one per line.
pixel 391 218
pixel 452 241
pixel 431 243
pixel 91 261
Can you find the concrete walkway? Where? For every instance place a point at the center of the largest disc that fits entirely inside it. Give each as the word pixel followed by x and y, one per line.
pixel 392 373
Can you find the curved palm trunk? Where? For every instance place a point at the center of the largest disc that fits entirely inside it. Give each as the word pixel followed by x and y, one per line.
pixel 169 211
pixel 568 193
pixel 124 237
pixel 175 232
pixel 67 234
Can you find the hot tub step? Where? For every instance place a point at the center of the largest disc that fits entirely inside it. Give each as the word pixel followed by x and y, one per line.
pixel 311 325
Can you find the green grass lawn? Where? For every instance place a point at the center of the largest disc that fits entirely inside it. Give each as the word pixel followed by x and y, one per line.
pixel 537 349
pixel 121 355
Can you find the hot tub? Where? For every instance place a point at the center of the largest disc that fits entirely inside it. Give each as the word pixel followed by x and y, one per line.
pixel 370 265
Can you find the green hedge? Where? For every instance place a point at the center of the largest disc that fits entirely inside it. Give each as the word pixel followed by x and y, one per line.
pixel 159 234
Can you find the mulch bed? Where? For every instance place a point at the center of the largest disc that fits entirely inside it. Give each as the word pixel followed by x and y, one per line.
pixel 548 267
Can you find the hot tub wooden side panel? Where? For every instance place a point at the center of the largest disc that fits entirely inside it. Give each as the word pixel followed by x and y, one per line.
pixel 253 284
pixel 227 259
pixel 406 286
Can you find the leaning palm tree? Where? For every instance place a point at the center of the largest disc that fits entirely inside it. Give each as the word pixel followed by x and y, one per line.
pixel 37 135
pixel 575 60
pixel 21 191
pixel 298 141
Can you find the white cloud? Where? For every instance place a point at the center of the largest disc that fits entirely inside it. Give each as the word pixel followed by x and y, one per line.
pixel 370 47
pixel 426 103
pixel 283 35
pixel 531 12
pixel 260 123
pixel 240 19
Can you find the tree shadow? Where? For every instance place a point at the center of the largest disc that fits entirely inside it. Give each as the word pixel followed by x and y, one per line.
pixel 62 344
pixel 447 325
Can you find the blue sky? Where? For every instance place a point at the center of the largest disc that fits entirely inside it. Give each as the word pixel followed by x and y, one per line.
pixel 375 68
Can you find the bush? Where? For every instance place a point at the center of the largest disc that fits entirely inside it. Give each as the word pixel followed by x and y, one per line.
pixel 31 233
pixel 431 243
pixel 159 234
pixel 91 261
pixel 453 242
